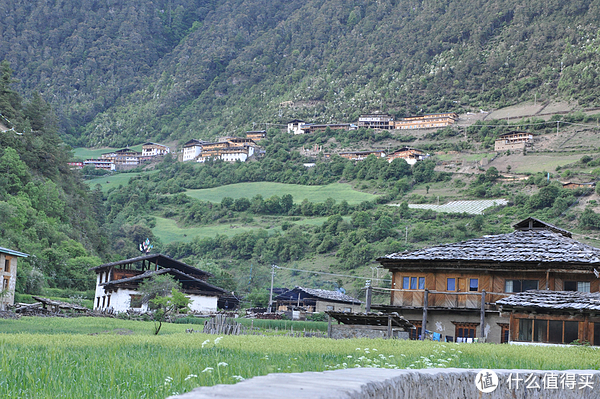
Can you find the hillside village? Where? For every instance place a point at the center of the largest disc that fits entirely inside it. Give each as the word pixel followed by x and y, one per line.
pixel 232 149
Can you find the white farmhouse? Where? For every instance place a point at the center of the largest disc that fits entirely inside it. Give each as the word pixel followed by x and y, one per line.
pixel 117 283
pixel 192 149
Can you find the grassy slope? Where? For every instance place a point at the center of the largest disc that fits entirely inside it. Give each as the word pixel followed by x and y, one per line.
pixel 337 191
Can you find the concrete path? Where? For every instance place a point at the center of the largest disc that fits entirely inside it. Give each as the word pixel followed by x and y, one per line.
pixel 363 383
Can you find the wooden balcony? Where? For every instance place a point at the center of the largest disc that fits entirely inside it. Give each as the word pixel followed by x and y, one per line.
pixel 450 300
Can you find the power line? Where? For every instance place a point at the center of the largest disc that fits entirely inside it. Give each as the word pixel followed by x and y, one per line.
pixel 332 274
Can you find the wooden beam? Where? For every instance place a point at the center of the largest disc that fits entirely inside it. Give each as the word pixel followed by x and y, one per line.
pixel 482 317
pixel 424 323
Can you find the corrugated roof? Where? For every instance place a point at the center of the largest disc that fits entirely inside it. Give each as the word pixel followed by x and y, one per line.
pixel 530 246
pixel 13 252
pixel 552 301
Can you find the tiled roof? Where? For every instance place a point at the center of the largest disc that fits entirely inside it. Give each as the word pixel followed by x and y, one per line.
pixel 552 300
pixel 179 274
pixel 539 246
pixel 325 294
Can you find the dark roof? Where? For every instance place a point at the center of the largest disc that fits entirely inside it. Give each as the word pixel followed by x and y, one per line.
pixel 13 252
pixel 177 273
pixel 160 260
pixel 530 246
pixel 536 224
pixel 370 319
pixel 335 296
pixel 552 301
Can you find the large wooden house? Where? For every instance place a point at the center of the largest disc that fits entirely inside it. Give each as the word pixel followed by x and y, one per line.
pixel 117 283
pixel 455 287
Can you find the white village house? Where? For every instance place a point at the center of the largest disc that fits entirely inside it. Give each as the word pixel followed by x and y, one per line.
pixel 117 283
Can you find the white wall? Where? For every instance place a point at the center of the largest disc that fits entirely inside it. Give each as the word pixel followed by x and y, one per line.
pixel 203 304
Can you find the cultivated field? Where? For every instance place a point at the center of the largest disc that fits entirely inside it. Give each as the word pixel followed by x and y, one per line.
pixel 337 191
pixel 90 358
pixel 112 181
pixel 87 153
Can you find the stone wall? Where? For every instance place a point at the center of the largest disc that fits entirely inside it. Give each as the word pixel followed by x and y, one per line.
pixel 344 331
pixel 364 383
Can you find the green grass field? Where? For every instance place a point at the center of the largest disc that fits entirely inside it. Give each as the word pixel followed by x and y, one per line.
pixel 168 231
pixel 104 357
pixel 88 153
pixel 113 181
pixel 337 191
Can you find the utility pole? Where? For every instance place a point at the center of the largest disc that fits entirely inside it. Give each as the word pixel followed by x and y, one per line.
pixel 271 294
pixel 557 124
pixel 406 236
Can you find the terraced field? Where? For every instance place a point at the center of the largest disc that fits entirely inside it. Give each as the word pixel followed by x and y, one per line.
pixel 471 207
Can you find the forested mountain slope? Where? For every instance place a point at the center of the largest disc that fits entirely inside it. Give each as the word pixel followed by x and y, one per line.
pixel 121 72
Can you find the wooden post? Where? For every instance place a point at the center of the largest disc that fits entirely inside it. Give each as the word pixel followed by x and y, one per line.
pixel 389 331
pixel 369 295
pixel 482 315
pixel 424 324
pixel 328 326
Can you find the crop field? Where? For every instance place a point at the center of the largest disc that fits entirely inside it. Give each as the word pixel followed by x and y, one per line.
pixel 88 153
pixel 90 358
pixel 337 191
pixel 475 207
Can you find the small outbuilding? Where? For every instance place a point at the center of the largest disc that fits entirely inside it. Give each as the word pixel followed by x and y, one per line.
pixel 555 317
pixel 317 300
pixel 8 275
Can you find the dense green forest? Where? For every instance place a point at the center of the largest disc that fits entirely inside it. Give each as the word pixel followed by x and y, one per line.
pixel 118 73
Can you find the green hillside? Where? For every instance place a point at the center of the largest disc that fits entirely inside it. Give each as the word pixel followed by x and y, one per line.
pixel 179 69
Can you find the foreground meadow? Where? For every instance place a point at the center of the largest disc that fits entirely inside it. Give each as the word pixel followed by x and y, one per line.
pixel 109 358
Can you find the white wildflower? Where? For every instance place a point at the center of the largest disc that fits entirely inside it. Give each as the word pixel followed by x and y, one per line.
pixel 238 377
pixel 217 340
pixel 222 364
pixel 208 370
pixel 190 376
pixel 205 343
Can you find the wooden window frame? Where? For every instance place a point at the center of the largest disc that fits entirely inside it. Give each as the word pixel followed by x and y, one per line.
pixel 460 326
pixel 7 265
pixel 546 338
pixel 414 333
pixel 417 279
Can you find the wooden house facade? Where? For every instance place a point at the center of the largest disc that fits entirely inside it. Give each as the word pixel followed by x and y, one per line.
pixel 457 286
pixel 513 141
pixel 427 121
pixel 117 283
pixel 8 275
